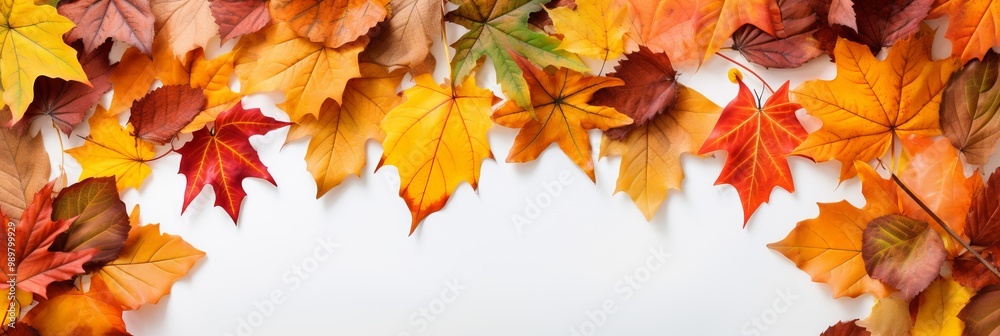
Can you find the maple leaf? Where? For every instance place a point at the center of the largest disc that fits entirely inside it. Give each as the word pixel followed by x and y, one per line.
pixel 691 31
pixel 939 306
pixel 902 252
pixel 98 217
pixel 129 21
pixel 95 312
pixel 889 317
pixel 848 328
pixel 828 247
pixel 499 29
pixel 306 72
pixel 651 153
pixel 185 24
pixel 982 314
pixel 331 22
pixel 757 138
pixel 32 47
pixel 111 150
pixel 798 46
pixel 892 98
pixel 560 102
pixel 969 109
pixel 131 78
pixel 24 169
pixel 973 29
pixel 594 29
pixel 982 225
pixel 878 23
pixel 337 145
pixel 223 157
pixel 650 89
pixel 35 267
pixel 406 40
pixel 161 114
pixel 239 17
pixel 148 266
pixel 436 139
pixel 212 76
pixel 67 102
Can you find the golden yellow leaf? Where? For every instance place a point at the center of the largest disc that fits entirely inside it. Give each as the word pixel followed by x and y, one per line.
pixel 595 29
pixel 940 304
pixel 72 312
pixel 890 317
pixel 437 140
pixel 212 76
pixel 111 150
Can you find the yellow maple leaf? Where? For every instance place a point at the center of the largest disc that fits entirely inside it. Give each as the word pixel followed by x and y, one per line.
pixel 212 76
pixel 437 140
pixel 651 154
pixel 595 29
pixel 337 144
pixel 31 45
pixel 940 304
pixel 307 72
pixel 111 150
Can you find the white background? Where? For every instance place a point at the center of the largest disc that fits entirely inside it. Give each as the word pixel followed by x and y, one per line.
pixel 544 280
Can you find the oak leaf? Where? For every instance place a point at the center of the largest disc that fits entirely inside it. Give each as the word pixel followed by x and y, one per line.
pixel 560 99
pixel 436 139
pixel 185 25
pixel 902 252
pixel 32 47
pixel 111 150
pixel 595 29
pixel 162 113
pixel 72 311
pixel 896 97
pixel 239 17
pixel 129 21
pixel 24 169
pixel 651 153
pixel 333 23
pixel 337 139
pixel 406 40
pixel 969 109
pixel 67 102
pixel 758 138
pixel 499 29
pixel 222 157
pixel 939 306
pixel 797 24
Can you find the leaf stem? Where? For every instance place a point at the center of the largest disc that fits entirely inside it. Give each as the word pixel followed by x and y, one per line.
pixel 945 226
pixel 62 147
pixel 754 73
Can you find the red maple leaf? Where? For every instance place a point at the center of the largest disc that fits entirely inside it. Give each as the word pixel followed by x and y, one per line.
pixel 758 138
pixel 223 157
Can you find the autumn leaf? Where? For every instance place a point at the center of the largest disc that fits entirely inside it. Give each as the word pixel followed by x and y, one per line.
pixel 651 153
pixel 111 150
pixel 71 312
pixel 337 139
pixel 982 226
pixel 185 24
pixel 406 39
pixel 973 28
pixel 131 79
pixel 758 138
pixel 848 328
pixel 306 72
pixel 333 23
pixel 499 29
pixel 212 76
pixel 98 217
pixel 35 267
pixel 890 317
pixel 969 109
pixel 148 266
pixel 595 29
pixel 563 116
pixel 222 157
pixel 239 17
pixel 24 169
pixel 902 252
pixel 32 47
pixel 67 102
pixel 161 114
pixel 939 306
pixel 982 314
pixel 129 21
pixel 829 247
pixel 798 46
pixel 881 23
pixel 650 89
pixel 691 31
pixel 436 139
pixel 883 103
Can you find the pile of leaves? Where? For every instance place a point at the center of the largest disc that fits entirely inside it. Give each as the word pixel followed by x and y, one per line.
pixel 924 243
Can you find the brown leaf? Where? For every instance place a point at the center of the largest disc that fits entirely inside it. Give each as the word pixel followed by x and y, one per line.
pixel 159 116
pixel 67 102
pixel 797 46
pixel 982 314
pixel 650 89
pixel 239 17
pixel 982 226
pixel 331 22
pixel 129 21
pixel 902 252
pixel 407 38
pixel 99 219
pixel 969 109
pixel 849 328
pixel 24 169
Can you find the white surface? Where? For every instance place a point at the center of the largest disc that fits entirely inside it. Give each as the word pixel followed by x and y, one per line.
pixel 579 254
